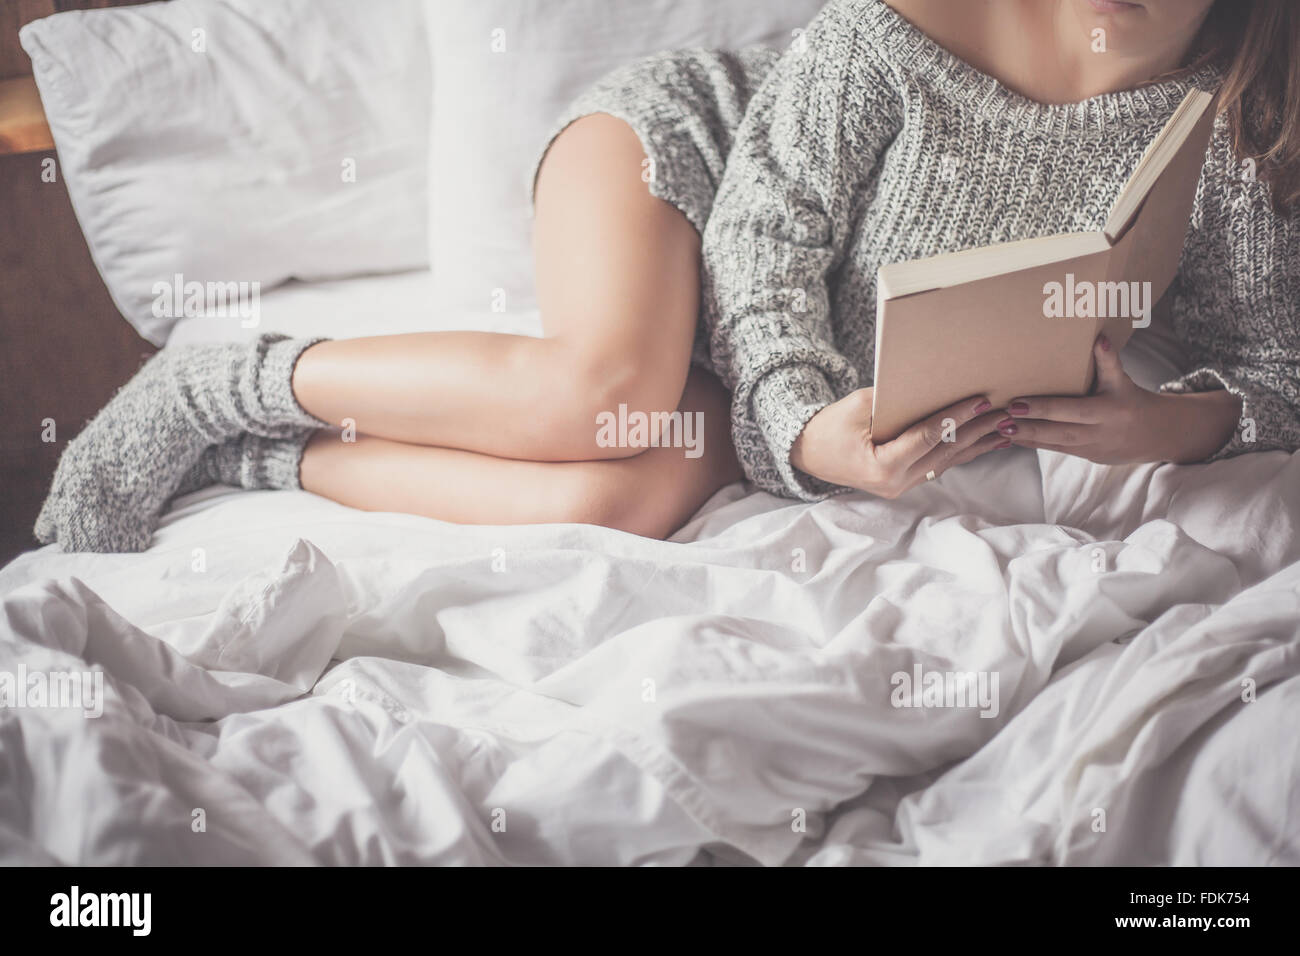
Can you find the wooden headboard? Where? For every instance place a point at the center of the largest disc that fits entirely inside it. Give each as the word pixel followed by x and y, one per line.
pixel 64 349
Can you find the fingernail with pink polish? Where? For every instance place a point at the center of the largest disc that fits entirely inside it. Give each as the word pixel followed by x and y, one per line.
pixel 1007 427
pixel 983 406
pixel 1003 444
pixel 1019 408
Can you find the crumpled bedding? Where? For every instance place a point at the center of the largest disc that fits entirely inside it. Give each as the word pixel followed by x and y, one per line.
pixel 1031 660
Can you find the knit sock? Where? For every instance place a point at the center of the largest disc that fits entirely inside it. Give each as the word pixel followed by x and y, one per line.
pixel 249 461
pixel 117 475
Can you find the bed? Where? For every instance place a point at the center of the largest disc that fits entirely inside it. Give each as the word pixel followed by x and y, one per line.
pixel 287 680
pixel 1033 660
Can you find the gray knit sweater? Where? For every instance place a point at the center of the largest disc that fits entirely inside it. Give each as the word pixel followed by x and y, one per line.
pixel 870 144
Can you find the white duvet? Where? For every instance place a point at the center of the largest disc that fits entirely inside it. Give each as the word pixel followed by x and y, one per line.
pixel 290 681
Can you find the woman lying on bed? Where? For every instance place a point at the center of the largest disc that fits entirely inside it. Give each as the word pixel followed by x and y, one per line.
pixel 889 131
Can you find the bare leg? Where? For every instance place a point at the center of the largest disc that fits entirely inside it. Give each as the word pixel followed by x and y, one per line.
pixel 618 286
pixel 650 494
pixel 490 429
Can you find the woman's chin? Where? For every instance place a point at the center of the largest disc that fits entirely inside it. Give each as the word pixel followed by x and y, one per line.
pixel 1114 6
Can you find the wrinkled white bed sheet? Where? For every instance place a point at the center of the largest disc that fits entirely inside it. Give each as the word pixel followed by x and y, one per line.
pixel 321 685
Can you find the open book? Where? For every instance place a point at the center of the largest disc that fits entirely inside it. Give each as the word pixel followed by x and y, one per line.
pixel 1020 318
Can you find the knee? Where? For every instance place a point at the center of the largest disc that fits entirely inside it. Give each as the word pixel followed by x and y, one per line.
pixel 606 404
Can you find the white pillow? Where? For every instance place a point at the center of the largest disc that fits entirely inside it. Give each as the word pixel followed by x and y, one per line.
pixel 493 110
pixel 215 139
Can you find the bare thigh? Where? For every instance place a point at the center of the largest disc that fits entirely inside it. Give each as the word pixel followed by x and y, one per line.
pixel 618 286
pixel 618 278
pixel 617 269
pixel 650 494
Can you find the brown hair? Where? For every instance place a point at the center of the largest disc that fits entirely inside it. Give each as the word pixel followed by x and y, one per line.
pixel 1256 44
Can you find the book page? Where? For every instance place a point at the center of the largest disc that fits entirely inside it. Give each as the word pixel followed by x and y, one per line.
pixel 1149 252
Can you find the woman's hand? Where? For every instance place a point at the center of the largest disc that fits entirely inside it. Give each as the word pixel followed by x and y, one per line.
pixel 1123 423
pixel 836 445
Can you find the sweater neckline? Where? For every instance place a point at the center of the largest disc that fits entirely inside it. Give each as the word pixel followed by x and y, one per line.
pixel 917 53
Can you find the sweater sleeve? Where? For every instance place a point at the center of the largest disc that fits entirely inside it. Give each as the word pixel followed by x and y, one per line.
pixel 1237 307
pixel 781 222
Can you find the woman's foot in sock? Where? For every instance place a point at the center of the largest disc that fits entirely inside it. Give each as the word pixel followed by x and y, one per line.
pixel 115 478
pixel 249 461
